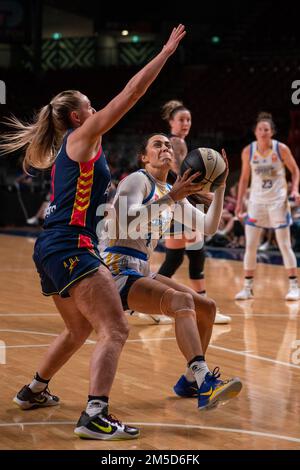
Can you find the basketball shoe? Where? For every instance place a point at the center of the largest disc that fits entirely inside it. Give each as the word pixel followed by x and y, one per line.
pixel 104 427
pixel 214 391
pixel 184 388
pixel 26 399
pixel 245 294
pixel 221 319
pixel 293 292
pixel 145 318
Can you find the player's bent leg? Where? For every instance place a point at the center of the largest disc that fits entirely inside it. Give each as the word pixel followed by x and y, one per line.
pixel 63 347
pixel 98 299
pixel 205 308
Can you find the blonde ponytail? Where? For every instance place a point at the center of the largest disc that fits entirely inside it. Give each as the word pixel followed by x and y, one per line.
pixel 42 138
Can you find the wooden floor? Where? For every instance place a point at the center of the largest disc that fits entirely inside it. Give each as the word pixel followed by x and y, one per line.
pixel 258 346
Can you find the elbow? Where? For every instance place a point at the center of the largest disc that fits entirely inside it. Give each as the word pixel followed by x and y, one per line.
pixel 245 181
pixel 210 231
pixel 134 92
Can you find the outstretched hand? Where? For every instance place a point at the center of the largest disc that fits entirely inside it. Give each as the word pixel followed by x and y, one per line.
pixel 184 186
pixel 174 39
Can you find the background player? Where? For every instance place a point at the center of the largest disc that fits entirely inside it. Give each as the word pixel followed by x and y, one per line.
pixel 265 160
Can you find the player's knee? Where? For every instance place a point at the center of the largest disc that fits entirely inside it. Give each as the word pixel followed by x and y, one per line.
pixel 79 335
pixel 175 303
pixel 196 263
pixel 206 311
pixel 211 309
pixel 118 334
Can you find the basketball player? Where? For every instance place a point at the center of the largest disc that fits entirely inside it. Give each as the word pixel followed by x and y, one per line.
pixel 265 160
pixel 179 119
pixel 128 259
pixel 67 134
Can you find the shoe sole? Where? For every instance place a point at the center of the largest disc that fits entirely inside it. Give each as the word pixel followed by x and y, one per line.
pixel 231 391
pixel 25 405
pixel 82 434
pixel 244 298
pixel 186 396
pixel 222 322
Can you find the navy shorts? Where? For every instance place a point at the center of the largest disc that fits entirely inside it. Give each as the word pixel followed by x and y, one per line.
pixel 64 257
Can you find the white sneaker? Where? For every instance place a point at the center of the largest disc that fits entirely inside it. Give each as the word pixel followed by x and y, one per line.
pixel 221 319
pixel 264 247
pixel 293 293
pixel 244 294
pixel 144 318
pixel 32 221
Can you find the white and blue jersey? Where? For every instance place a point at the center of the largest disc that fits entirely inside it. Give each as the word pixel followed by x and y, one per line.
pixel 268 179
pixel 127 256
pixel 268 205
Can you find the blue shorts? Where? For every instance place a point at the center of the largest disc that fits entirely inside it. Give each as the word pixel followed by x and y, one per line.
pixel 64 257
pixel 126 266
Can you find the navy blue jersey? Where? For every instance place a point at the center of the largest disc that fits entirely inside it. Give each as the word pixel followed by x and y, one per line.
pixel 77 189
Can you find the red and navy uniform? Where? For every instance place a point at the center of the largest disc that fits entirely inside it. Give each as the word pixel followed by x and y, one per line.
pixel 67 251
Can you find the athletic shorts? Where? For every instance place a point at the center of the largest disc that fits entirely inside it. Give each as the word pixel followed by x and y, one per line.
pixel 64 257
pixel 273 215
pixel 126 266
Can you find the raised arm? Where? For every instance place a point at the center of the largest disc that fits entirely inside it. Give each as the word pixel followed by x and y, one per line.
pixel 243 182
pixel 180 151
pixel 89 133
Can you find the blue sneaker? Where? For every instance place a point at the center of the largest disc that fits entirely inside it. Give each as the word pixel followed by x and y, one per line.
pixel 213 391
pixel 186 389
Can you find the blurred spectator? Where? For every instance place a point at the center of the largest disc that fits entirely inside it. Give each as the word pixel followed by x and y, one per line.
pixel 40 215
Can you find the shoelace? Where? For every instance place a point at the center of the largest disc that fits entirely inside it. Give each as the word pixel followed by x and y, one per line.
pixel 215 374
pixel 113 419
pixel 46 391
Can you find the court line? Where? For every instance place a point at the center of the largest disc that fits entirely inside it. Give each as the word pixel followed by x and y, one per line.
pixel 168 425
pixel 271 315
pixel 233 351
pixel 25 346
pixel 8 330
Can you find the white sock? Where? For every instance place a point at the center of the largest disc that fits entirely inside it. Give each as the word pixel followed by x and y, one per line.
pixel 37 386
pixel 95 406
pixel 293 283
pixel 199 369
pixel 248 283
pixel 189 375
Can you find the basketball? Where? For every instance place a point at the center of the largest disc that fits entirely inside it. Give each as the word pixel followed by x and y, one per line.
pixel 209 163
